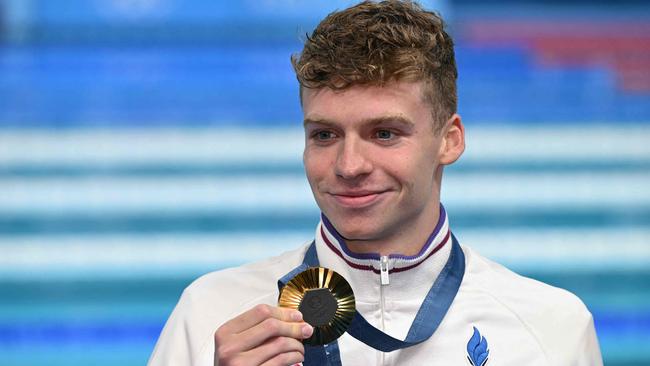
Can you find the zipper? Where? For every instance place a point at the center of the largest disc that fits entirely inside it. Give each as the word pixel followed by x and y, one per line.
pixel 384 280
pixel 383 270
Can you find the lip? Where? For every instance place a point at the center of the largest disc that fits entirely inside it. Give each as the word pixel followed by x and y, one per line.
pixel 358 199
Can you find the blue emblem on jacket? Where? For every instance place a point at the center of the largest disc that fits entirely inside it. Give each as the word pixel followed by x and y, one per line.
pixel 477 349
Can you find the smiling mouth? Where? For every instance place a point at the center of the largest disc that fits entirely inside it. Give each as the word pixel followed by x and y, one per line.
pixel 357 200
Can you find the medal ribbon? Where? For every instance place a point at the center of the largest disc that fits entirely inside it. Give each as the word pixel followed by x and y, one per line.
pixel 429 316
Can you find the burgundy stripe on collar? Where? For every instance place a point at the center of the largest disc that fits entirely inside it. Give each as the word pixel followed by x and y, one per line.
pixel 371 268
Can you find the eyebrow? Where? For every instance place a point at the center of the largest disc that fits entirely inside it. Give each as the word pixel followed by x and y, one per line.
pixel 320 121
pixel 373 121
pixel 390 120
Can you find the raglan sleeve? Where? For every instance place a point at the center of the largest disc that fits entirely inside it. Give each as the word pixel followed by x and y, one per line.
pixel 188 336
pixel 174 343
pixel 588 351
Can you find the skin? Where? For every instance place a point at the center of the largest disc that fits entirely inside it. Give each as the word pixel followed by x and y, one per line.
pixel 374 164
pixel 264 335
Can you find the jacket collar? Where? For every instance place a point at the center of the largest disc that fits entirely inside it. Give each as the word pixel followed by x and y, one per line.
pixel 409 276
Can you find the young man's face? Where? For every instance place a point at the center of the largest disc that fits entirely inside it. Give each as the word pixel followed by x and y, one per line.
pixel 373 160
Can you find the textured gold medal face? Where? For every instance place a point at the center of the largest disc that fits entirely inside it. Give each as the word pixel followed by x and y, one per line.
pixel 325 300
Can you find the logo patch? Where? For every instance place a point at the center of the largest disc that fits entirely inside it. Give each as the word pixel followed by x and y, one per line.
pixel 477 349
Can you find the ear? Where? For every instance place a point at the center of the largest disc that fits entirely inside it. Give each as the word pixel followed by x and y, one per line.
pixel 453 140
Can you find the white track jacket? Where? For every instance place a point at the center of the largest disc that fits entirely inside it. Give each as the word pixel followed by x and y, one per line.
pixel 521 321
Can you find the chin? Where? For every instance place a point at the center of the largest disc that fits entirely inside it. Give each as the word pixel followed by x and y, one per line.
pixel 351 229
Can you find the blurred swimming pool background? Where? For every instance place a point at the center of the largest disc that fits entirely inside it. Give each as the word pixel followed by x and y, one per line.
pixel 143 143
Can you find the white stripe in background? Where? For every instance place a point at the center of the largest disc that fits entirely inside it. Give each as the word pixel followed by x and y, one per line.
pixel 132 146
pixel 43 257
pixel 291 193
pixel 557 143
pixel 556 250
pixel 119 256
pixel 147 195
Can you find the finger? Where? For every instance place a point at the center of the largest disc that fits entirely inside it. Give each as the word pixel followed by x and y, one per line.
pixel 271 328
pixel 258 314
pixel 273 348
pixel 285 359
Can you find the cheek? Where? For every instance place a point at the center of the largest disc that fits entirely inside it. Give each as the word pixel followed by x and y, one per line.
pixel 403 167
pixel 415 175
pixel 314 167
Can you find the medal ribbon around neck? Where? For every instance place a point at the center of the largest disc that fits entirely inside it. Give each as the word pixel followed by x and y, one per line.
pixel 433 309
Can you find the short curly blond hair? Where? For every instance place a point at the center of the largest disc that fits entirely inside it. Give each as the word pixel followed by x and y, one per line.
pixel 374 43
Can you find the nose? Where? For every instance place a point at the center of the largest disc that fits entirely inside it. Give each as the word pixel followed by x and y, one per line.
pixel 352 160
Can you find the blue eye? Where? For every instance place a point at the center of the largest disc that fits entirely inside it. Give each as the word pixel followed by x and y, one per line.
pixel 324 135
pixel 384 134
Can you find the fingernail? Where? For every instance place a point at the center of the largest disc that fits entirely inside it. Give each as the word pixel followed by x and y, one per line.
pixel 307 330
pixel 296 316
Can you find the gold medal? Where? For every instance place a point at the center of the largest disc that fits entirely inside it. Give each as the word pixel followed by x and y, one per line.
pixel 325 300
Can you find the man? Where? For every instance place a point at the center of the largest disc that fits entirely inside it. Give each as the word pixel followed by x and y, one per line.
pixel 378 91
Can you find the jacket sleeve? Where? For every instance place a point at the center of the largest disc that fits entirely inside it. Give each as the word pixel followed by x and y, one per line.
pixel 187 338
pixel 588 352
pixel 173 345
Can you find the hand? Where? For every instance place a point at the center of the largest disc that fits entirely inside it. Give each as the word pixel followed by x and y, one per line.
pixel 264 335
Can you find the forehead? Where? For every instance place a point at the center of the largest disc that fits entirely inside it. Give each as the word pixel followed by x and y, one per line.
pixel 361 102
